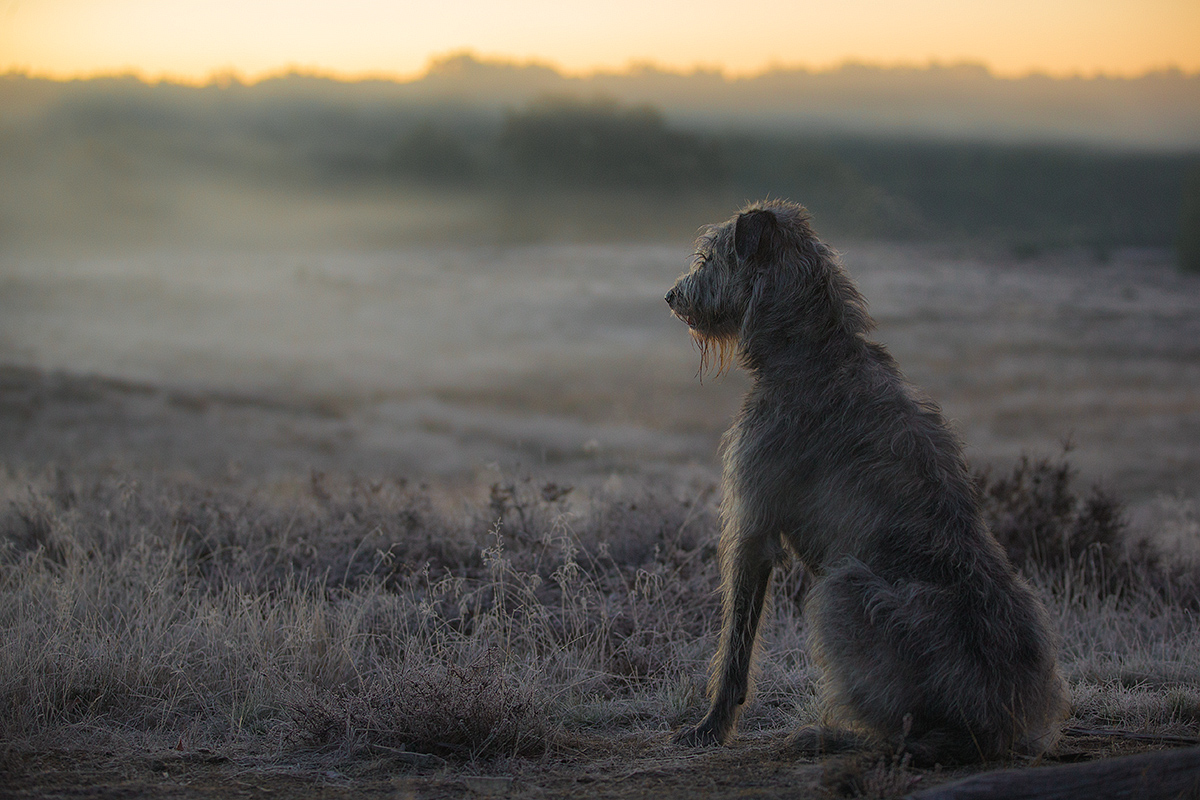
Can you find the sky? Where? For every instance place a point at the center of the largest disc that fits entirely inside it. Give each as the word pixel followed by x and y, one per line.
pixel 194 39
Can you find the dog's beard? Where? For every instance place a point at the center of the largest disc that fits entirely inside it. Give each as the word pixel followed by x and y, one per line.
pixel 716 352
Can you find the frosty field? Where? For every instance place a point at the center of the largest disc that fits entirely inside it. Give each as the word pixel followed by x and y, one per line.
pixel 442 360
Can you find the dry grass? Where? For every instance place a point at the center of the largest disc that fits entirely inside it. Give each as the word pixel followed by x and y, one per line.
pixel 342 615
pixel 327 619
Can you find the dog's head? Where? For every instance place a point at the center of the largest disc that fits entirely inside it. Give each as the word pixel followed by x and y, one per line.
pixel 715 294
pixel 761 279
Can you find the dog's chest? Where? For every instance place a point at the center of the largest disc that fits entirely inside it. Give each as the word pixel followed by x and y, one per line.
pixel 778 443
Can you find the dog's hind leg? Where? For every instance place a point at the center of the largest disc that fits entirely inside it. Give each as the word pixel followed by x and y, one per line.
pixel 746 565
pixel 874 642
pixel 896 664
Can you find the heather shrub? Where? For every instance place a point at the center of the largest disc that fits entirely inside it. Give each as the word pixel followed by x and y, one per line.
pixel 1048 525
pixel 1039 516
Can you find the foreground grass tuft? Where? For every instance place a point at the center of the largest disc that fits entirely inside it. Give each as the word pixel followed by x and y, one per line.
pixel 468 711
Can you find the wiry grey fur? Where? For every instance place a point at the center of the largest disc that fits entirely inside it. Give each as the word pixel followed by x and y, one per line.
pixel 925 636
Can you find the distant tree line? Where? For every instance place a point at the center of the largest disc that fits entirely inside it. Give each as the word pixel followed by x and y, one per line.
pixel 1032 196
pixel 1028 196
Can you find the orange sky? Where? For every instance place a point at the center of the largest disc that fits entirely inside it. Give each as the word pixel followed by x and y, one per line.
pixel 192 39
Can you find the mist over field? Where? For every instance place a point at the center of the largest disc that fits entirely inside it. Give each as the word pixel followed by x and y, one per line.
pixel 467 268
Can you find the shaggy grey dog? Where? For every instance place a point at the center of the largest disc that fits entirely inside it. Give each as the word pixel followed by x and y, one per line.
pixel 925 636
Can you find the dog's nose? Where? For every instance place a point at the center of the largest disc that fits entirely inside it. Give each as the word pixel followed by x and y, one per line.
pixel 670 297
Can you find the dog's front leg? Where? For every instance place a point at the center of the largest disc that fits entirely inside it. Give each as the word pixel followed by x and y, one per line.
pixel 746 564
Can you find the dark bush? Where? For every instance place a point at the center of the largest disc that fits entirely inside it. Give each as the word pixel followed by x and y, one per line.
pixel 1039 517
pixel 1046 524
pixel 601 144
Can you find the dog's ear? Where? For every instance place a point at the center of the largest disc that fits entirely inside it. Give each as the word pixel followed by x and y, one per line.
pixel 751 232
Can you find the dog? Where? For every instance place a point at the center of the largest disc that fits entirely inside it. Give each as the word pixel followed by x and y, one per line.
pixel 925 637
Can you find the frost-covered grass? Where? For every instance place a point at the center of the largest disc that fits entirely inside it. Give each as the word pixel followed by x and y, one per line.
pixel 333 618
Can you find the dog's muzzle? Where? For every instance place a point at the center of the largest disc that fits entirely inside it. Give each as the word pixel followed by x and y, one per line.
pixel 672 298
pixel 674 302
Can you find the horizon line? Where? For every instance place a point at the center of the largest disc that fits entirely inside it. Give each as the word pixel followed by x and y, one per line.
pixel 226 76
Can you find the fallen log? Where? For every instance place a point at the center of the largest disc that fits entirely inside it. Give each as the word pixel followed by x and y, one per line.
pixel 1161 775
pixel 1121 733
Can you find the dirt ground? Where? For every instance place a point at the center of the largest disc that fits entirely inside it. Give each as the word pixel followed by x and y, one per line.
pixel 622 767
